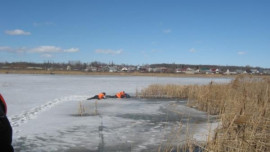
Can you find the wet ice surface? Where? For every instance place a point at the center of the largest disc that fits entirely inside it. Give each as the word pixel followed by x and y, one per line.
pixel 50 113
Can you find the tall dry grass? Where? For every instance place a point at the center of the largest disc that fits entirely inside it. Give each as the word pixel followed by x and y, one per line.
pixel 164 91
pixel 242 105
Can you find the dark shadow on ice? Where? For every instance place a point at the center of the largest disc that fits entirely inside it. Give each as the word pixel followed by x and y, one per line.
pixel 101 144
pixel 165 116
pixel 84 115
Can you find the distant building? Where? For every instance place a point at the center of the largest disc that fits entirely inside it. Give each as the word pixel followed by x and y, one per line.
pixel 104 69
pixel 228 72
pixel 93 69
pixel 150 69
pixel 124 69
pixel 266 71
pixel 189 71
pixel 156 70
pixel 254 71
pixel 34 68
pixel 113 69
pixel 239 71
pixel 143 69
pixel 50 69
pixel 215 71
pixel 160 70
pixel 178 70
pixel 205 70
pixel 68 68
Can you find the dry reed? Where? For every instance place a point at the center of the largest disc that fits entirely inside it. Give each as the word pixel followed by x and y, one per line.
pixel 242 105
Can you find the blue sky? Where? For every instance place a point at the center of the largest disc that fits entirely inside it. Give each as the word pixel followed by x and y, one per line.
pixel 219 32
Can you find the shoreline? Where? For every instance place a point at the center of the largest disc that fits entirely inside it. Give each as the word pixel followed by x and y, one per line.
pixel 62 72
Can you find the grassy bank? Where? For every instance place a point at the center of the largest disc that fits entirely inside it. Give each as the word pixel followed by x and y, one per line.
pixel 242 105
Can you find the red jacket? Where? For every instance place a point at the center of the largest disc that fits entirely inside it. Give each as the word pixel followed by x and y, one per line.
pixel 101 96
pixel 5 128
pixel 120 94
pixel 3 103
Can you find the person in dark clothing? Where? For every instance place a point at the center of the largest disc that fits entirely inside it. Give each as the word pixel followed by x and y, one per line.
pixel 121 94
pixel 5 128
pixel 99 96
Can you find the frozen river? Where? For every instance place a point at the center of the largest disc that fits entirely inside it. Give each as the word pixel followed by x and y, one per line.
pixel 49 113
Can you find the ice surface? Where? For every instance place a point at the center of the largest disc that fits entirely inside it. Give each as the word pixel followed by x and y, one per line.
pixel 50 113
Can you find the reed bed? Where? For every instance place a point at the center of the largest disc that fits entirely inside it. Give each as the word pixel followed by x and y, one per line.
pixel 243 107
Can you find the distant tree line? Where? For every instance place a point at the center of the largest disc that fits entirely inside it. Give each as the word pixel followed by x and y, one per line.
pixel 77 65
pixel 221 67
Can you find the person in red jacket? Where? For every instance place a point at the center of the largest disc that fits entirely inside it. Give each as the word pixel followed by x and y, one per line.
pixel 5 128
pixel 121 94
pixel 99 96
